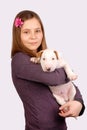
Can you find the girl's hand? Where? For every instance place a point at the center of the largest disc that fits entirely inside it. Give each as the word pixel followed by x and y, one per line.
pixel 70 109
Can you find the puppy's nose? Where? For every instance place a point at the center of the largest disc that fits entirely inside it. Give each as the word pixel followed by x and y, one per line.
pixel 48 69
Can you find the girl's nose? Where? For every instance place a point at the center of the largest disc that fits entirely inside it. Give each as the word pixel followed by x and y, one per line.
pixel 33 35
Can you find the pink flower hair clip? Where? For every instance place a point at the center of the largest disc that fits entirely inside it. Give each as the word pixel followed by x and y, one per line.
pixel 18 22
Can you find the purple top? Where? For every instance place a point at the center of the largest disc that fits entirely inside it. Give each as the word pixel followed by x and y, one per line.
pixel 31 83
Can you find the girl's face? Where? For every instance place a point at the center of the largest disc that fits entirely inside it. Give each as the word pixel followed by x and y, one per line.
pixel 31 34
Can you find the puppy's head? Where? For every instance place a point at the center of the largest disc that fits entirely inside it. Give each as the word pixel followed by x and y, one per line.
pixel 48 59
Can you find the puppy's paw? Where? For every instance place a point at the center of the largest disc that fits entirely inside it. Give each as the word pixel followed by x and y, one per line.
pixel 34 60
pixel 72 76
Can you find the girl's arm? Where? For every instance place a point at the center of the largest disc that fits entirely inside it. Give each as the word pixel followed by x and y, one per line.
pixel 78 97
pixel 25 69
pixel 75 107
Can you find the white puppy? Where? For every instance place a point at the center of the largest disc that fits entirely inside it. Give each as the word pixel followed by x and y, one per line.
pixel 50 60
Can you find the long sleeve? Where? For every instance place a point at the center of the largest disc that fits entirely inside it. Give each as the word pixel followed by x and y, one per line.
pixel 25 69
pixel 79 98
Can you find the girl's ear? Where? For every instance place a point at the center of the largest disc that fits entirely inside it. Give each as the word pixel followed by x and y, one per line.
pixel 56 53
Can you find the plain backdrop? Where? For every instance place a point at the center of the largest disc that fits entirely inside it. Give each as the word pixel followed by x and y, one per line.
pixel 65 23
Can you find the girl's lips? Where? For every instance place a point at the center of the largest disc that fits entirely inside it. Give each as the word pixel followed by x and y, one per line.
pixel 34 43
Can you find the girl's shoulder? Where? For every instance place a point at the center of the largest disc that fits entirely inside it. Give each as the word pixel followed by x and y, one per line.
pixel 20 54
pixel 20 58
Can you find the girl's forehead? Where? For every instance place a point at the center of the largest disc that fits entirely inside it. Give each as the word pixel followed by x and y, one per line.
pixel 31 24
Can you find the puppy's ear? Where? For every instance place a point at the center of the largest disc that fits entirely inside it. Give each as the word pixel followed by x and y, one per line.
pixel 38 55
pixel 56 53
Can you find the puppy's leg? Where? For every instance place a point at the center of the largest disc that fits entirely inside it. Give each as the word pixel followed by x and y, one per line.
pixel 72 92
pixel 70 74
pixel 59 99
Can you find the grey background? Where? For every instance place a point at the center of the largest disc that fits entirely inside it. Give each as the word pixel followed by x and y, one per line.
pixel 65 23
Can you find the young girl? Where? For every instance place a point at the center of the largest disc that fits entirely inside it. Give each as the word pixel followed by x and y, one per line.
pixel 41 109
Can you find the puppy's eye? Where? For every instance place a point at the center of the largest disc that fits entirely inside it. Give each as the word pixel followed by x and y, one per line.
pixel 43 58
pixel 53 58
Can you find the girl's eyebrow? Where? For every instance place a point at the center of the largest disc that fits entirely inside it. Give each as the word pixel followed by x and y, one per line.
pixel 31 29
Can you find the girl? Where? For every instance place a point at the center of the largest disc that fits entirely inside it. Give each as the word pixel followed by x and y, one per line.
pixel 41 110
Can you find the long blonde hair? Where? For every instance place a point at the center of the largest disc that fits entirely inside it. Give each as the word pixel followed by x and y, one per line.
pixel 16 41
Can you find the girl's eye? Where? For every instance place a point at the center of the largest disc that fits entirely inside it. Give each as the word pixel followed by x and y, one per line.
pixel 38 30
pixel 26 32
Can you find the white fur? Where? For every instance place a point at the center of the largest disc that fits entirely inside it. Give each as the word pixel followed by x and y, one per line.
pixel 49 63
